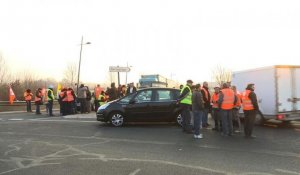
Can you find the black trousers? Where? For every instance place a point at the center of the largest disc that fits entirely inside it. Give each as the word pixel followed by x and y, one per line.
pixel 186 118
pixel 249 121
pixel 50 107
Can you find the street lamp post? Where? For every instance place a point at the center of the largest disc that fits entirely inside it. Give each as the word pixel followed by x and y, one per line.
pixel 80 61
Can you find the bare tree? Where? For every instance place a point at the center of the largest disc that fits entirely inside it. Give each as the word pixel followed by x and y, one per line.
pixel 3 70
pixel 221 75
pixel 70 75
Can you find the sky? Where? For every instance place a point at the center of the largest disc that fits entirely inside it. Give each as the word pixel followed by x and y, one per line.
pixel 177 39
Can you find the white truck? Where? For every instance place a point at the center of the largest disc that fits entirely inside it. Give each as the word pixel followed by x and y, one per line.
pixel 277 89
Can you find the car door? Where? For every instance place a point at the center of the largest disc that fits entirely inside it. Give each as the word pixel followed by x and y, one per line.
pixel 163 105
pixel 139 108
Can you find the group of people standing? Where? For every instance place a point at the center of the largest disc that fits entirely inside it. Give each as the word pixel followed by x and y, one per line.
pixel 224 105
pixel 68 100
pixel 40 97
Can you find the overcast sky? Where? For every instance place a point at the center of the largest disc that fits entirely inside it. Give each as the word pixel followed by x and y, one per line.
pixel 182 39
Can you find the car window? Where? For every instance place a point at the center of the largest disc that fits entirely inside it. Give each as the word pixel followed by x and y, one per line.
pixel 144 96
pixel 175 94
pixel 126 99
pixel 163 95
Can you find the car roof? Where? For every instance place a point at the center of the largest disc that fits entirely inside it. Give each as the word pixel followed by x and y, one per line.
pixel 158 88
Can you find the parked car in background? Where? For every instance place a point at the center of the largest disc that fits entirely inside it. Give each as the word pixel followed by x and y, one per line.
pixel 146 105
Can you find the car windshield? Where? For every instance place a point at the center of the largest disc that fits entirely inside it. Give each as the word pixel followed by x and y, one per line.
pixel 127 98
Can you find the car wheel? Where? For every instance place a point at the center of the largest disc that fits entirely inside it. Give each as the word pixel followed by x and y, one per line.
pixel 116 119
pixel 179 119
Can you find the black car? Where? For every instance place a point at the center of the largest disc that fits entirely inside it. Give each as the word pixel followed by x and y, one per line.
pixel 146 105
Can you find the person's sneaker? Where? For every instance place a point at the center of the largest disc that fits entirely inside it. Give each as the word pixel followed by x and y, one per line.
pixel 196 136
pixel 200 136
pixel 237 131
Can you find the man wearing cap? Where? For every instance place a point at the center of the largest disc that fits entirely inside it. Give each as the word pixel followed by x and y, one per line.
pixel 50 100
pixel 185 101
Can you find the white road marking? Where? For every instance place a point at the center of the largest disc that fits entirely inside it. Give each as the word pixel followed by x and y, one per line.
pixel 16 119
pixel 287 172
pixel 78 116
pixel 47 120
pixel 135 172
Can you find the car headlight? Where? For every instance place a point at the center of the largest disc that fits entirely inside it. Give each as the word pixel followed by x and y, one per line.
pixel 103 106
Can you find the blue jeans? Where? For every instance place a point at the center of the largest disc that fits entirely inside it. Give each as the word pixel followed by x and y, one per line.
pixel 226 121
pixel 197 121
pixel 205 117
pixel 37 109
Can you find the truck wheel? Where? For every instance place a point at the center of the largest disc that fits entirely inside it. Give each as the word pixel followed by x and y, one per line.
pixel 116 119
pixel 259 120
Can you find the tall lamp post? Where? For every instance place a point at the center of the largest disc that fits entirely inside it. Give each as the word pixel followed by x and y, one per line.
pixel 80 61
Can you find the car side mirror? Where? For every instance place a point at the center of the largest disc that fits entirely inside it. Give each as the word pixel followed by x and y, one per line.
pixel 132 101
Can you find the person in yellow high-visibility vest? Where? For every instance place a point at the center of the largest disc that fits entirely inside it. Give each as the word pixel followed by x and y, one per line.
pixel 185 101
pixel 102 99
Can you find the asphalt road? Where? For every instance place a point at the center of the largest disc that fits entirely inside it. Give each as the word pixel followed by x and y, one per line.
pixel 34 145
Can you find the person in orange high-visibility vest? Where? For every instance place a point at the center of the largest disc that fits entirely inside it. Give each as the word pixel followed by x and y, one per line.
pixel 226 102
pixel 28 97
pixel 97 91
pixel 250 107
pixel 38 100
pixel 71 106
pixel 63 99
pixel 235 111
pixel 215 109
pixel 207 106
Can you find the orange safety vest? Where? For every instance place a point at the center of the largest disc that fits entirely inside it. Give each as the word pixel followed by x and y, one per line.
pixel 70 96
pixel 27 96
pixel 205 92
pixel 62 94
pixel 98 91
pixel 228 99
pixel 214 100
pixel 246 101
pixel 38 98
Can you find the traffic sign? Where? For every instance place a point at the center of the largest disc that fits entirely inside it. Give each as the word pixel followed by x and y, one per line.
pixel 118 69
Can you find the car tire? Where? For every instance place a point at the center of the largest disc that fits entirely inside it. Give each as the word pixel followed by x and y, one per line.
pixel 116 119
pixel 178 119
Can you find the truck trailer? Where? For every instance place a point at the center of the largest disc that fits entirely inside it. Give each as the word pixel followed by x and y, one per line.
pixel 277 89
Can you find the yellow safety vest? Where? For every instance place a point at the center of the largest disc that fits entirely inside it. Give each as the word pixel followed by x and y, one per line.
pixel 188 98
pixel 101 102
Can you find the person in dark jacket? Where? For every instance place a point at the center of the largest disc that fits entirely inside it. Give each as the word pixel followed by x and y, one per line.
pixel 207 105
pixel 185 101
pixel 38 100
pixel 250 109
pixel 112 92
pixel 88 100
pixel 198 110
pixel 131 89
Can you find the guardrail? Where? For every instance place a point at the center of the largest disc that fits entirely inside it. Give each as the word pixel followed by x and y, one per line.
pixel 21 106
